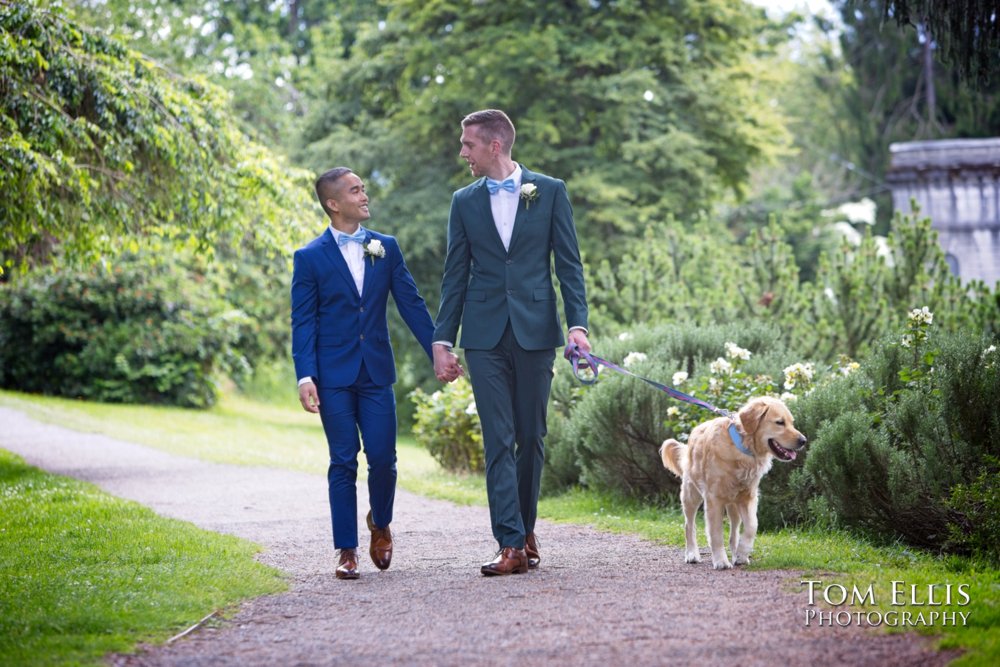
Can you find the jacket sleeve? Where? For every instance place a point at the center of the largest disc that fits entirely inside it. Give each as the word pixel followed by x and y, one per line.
pixel 305 307
pixel 411 306
pixel 568 265
pixel 455 278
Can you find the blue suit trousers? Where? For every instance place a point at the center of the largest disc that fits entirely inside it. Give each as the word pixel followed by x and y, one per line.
pixel 370 410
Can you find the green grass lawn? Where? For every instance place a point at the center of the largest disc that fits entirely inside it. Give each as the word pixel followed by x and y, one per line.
pixel 244 431
pixel 83 573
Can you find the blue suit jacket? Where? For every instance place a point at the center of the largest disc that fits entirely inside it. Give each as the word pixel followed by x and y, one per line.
pixel 334 329
pixel 484 285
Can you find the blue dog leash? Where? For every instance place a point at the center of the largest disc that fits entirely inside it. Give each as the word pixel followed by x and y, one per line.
pixel 579 359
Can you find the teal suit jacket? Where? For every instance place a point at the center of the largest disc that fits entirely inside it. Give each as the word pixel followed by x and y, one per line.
pixel 485 286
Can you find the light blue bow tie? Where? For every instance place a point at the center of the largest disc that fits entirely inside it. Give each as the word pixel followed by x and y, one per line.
pixel 357 237
pixel 495 186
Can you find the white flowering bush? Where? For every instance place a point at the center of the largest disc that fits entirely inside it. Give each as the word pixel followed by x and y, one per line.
pixel 446 422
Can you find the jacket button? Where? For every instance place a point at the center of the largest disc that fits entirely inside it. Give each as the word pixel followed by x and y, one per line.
pixel 362 336
pixel 510 291
pixel 510 261
pixel 362 309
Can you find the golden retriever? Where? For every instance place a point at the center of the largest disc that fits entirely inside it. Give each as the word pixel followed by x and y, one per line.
pixel 712 469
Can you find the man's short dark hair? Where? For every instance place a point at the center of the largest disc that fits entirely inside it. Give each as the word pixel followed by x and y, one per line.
pixel 493 125
pixel 325 184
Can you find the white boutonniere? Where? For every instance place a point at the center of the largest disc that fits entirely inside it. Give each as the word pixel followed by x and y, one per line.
pixel 529 193
pixel 373 249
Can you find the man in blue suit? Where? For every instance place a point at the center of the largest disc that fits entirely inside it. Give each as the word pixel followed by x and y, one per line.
pixel 341 283
pixel 505 232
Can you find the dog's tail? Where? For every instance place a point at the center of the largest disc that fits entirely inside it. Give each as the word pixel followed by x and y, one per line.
pixel 674 455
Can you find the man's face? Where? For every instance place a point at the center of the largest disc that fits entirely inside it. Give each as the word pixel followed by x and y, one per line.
pixel 479 153
pixel 349 199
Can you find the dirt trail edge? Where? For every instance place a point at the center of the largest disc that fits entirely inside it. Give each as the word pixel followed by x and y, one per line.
pixel 597 599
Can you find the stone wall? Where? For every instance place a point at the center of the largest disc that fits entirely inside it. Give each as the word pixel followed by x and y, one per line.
pixel 956 183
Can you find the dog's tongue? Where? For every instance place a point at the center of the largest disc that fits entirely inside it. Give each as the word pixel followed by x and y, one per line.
pixel 791 454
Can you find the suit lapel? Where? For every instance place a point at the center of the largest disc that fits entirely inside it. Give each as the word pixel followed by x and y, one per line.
pixel 526 177
pixel 483 211
pixel 339 263
pixel 369 264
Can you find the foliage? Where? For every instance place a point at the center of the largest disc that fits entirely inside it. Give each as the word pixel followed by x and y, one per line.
pixel 138 332
pixel 898 93
pixel 861 293
pixel 894 441
pixel 447 424
pixel 967 31
pixel 83 574
pixel 975 506
pixel 99 144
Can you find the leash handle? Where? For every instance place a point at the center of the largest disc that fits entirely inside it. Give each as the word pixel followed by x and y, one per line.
pixel 576 356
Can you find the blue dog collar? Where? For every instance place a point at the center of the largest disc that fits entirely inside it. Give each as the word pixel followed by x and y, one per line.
pixel 738 440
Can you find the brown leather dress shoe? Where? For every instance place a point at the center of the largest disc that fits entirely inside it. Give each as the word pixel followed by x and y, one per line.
pixel 348 567
pixel 510 560
pixel 381 548
pixel 531 550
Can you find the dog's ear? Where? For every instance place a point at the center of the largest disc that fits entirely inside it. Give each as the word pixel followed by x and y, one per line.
pixel 752 415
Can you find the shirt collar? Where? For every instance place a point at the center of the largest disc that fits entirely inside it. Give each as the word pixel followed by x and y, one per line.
pixel 337 233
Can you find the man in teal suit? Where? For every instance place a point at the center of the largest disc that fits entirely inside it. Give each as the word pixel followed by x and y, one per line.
pixel 341 284
pixel 505 231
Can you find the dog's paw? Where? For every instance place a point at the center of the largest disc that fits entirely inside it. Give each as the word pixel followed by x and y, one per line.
pixel 741 560
pixel 722 564
pixel 692 558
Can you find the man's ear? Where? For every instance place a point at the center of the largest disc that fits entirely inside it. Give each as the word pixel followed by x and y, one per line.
pixel 752 415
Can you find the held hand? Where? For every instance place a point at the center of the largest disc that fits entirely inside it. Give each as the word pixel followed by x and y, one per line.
pixel 309 397
pixel 579 338
pixel 446 366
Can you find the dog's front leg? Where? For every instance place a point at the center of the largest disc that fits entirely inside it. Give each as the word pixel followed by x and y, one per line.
pixel 748 515
pixel 714 530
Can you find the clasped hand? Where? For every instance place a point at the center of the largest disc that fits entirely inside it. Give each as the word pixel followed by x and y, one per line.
pixel 446 366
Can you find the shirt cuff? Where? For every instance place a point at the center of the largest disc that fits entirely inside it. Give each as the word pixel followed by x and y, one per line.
pixel 302 381
pixel 448 344
pixel 583 329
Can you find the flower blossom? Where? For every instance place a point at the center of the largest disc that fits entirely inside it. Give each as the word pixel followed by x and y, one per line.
pixel 633 358
pixel 734 351
pixel 721 367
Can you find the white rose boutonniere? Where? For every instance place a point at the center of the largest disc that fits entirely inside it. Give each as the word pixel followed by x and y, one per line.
pixel 373 249
pixel 529 193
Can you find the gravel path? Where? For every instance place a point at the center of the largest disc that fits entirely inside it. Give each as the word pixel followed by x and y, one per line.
pixel 597 599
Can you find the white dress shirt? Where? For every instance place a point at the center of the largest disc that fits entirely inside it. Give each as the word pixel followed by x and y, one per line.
pixel 354 255
pixel 504 207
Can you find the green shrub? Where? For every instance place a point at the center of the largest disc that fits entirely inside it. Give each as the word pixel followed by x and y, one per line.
pixel 447 424
pixel 901 448
pixel 975 525
pixel 137 333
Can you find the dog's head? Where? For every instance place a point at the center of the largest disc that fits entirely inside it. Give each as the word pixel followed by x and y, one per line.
pixel 771 428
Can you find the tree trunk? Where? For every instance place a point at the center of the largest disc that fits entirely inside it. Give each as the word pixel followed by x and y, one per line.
pixel 929 77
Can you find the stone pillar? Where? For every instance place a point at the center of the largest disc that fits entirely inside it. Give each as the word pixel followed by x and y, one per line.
pixel 956 183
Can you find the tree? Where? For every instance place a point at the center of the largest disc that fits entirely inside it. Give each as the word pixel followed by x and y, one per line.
pixel 967 32
pixel 646 110
pixel 101 148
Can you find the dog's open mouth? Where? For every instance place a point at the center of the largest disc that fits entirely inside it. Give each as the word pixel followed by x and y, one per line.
pixel 780 452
